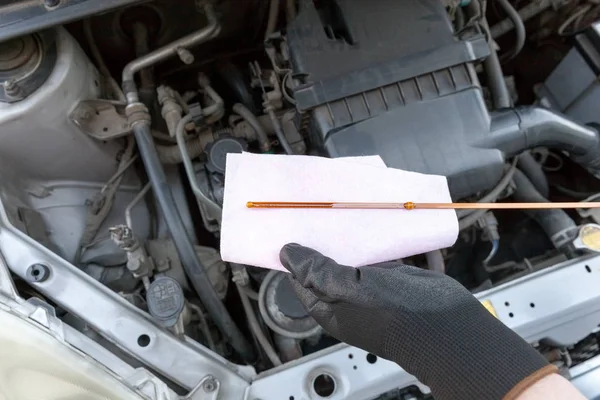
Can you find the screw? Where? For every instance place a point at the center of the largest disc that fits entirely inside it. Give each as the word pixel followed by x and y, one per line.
pixel 185 55
pixel 210 385
pixel 37 273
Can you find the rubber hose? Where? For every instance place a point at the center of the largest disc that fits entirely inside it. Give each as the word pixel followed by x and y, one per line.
pixel 172 155
pixel 234 79
pixel 534 172
pixel 551 221
pixel 514 16
pixel 435 261
pixel 495 81
pixel 290 10
pixel 273 18
pixel 194 269
pixel 249 117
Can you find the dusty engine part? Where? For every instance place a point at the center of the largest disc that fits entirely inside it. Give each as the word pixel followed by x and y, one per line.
pixel 281 309
pixel 420 83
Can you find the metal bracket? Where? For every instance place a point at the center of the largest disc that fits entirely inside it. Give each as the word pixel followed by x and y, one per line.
pixel 7 286
pixel 560 303
pixel 181 361
pixel 101 119
pixel 207 389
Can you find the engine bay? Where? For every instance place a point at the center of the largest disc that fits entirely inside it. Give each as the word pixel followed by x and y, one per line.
pixel 115 124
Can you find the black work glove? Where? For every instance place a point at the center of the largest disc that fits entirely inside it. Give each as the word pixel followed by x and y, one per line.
pixel 425 321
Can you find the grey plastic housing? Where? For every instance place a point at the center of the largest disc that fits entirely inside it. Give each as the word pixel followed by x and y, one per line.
pixel 412 95
pixel 421 127
pixel 392 79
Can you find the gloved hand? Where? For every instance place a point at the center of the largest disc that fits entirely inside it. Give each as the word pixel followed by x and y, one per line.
pixel 425 321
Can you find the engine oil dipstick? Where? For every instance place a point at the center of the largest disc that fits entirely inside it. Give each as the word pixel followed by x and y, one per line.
pixel 409 205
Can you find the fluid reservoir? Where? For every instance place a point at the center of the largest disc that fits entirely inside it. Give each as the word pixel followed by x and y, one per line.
pixel 43 76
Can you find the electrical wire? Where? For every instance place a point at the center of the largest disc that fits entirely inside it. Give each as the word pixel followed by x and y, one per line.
pixel 122 169
pixel 138 197
pixel 249 292
pixel 572 193
pixel 256 330
pixel 102 203
pixel 579 13
pixel 492 253
pixel 204 326
pixel 112 83
pixel 284 88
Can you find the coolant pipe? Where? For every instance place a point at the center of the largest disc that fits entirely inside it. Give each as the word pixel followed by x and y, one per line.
pixel 169 50
pixel 518 129
pixel 556 223
pixel 194 269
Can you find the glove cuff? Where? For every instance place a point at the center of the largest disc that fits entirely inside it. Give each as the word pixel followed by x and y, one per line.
pixel 526 383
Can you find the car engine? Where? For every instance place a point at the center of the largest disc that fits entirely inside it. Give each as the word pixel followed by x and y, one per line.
pixel 116 119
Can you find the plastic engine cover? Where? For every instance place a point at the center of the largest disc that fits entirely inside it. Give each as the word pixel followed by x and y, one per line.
pixel 390 78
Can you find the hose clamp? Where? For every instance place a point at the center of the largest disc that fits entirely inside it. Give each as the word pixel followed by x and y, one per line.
pixel 137 113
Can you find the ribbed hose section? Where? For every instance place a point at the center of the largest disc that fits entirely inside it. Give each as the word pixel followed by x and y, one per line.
pixel 553 222
pixel 194 269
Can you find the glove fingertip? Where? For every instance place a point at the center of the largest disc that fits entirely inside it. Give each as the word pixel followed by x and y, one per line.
pixel 293 256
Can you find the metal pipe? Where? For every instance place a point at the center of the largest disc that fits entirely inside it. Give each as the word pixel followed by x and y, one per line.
pixel 140 39
pixel 194 269
pixel 189 168
pixel 526 13
pixel 211 30
pixel 514 16
pixel 133 203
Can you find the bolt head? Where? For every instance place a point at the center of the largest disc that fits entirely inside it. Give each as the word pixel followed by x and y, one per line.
pixel 209 386
pixel 37 273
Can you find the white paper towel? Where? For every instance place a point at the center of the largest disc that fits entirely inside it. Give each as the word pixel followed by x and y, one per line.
pixel 351 237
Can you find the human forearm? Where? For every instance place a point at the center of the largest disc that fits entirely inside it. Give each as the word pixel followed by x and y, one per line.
pixel 551 387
